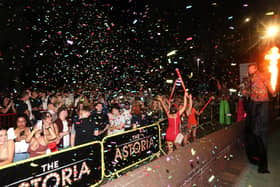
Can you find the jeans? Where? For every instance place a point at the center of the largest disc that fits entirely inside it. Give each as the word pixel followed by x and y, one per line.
pixel 20 156
pixel 258 120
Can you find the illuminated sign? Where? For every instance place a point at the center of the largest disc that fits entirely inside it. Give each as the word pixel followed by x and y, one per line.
pixel 125 150
pixel 79 166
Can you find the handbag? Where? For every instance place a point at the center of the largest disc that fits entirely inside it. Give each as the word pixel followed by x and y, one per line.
pixel 180 137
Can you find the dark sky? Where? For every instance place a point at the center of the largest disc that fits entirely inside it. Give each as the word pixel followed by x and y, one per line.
pixel 56 43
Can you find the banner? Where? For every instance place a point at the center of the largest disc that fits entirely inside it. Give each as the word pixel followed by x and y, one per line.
pixel 127 149
pixel 78 166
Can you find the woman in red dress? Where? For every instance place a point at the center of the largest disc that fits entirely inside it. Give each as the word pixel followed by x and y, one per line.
pixel 173 115
pixel 192 123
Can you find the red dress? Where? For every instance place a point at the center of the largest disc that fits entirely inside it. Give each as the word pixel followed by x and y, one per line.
pixel 191 120
pixel 173 128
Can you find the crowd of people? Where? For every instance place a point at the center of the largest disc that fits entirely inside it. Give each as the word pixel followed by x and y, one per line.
pixel 50 121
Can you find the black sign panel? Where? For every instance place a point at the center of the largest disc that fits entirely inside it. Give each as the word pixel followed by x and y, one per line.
pixel 124 150
pixel 80 166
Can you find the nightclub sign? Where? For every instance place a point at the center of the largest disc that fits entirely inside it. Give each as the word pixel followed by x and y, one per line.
pixel 125 150
pixel 78 166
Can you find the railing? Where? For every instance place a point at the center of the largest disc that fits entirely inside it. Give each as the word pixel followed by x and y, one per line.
pixel 7 120
pixel 94 162
pixel 86 164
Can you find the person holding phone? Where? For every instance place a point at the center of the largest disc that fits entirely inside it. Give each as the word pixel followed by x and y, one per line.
pixel 38 144
pixel 18 134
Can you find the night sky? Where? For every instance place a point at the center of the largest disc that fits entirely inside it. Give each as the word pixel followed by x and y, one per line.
pixel 123 44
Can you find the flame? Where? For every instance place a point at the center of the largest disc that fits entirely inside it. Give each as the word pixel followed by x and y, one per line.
pixel 273 55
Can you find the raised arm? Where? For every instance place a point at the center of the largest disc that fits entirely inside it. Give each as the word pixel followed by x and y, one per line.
pixel 185 104
pixel 163 105
pixel 5 110
pixel 189 110
pixel 31 134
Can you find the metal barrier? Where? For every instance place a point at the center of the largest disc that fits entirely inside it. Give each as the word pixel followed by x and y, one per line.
pixel 96 160
pixel 86 164
pixel 7 120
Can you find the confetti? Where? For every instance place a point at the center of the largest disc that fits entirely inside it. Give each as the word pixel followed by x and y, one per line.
pixel 211 178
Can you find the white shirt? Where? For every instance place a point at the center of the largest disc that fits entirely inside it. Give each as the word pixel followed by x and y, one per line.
pixel 29 108
pixel 45 102
pixel 127 117
pixel 69 100
pixel 77 101
pixel 66 138
pixel 116 121
pixel 20 147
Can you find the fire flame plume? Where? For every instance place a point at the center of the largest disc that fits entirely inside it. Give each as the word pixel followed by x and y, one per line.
pixel 273 56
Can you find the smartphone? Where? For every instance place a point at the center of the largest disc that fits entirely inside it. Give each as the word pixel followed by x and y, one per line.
pixel 21 133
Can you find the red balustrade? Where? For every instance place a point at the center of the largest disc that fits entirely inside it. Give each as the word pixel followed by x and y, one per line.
pixel 7 120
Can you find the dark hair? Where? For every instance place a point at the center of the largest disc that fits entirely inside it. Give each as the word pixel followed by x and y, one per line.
pixel 173 109
pixel 98 104
pixel 126 103
pixel 3 128
pixel 86 108
pixel 62 108
pixel 44 115
pixel 3 99
pixel 22 115
pixel 23 94
pixel 115 106
pixel 50 98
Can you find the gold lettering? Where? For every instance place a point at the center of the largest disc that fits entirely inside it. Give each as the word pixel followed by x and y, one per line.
pixel 24 184
pixel 135 149
pixel 125 152
pixel 143 144
pixel 75 173
pixel 130 147
pixel 49 176
pixel 84 170
pixel 66 178
pixel 118 154
pixel 35 182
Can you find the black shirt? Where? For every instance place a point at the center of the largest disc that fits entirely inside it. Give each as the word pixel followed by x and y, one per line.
pixel 101 121
pixel 20 106
pixel 84 130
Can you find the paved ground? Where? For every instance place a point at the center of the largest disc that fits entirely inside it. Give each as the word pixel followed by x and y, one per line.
pixel 250 176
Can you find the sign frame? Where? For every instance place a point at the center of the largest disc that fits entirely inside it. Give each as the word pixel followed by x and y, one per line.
pixel 31 160
pixel 138 162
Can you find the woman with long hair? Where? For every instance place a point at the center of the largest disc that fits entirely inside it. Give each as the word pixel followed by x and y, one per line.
pixel 52 107
pixel 18 134
pixel 50 131
pixel 37 142
pixel 7 106
pixel 116 120
pixel 173 115
pixel 7 148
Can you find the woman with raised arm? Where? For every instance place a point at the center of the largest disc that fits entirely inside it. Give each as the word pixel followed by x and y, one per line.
pixel 173 115
pixel 50 131
pixel 7 106
pixel 37 142
pixel 192 123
